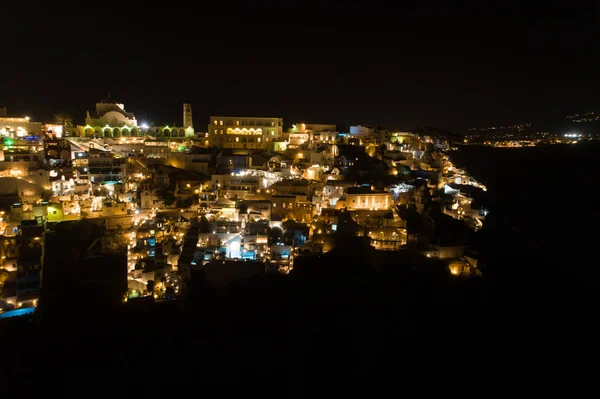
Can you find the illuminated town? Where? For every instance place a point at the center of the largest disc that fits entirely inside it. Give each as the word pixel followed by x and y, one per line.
pixel 238 197
pixel 544 138
pixel 297 194
pixel 569 130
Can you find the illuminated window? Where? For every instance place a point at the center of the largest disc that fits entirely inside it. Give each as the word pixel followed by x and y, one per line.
pixel 221 123
pixel 272 133
pixel 237 139
pixel 237 123
pixel 215 122
pixel 259 139
pixel 272 123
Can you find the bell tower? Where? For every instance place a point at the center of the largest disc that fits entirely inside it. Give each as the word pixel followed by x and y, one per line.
pixel 187 116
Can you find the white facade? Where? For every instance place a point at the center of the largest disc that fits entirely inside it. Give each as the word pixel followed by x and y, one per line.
pixel 361 131
pixel 111 114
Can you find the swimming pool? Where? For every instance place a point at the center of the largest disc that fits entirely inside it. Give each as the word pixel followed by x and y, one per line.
pixel 16 312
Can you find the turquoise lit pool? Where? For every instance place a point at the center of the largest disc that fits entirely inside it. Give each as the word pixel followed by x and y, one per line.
pixel 17 312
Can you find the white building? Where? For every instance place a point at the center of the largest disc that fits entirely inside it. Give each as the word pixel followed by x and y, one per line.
pixel 311 133
pixel 362 132
pixel 15 127
pixel 111 120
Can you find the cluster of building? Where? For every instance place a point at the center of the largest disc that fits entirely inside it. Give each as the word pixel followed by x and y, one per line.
pixel 531 140
pixel 578 127
pixel 146 208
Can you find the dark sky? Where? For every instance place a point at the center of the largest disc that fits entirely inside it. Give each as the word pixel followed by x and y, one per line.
pixel 453 67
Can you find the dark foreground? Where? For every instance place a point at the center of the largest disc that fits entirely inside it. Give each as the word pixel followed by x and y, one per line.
pixel 361 326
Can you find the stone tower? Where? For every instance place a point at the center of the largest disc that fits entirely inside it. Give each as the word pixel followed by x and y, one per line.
pixel 187 116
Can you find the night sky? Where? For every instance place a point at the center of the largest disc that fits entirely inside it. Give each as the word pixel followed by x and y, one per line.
pixel 454 67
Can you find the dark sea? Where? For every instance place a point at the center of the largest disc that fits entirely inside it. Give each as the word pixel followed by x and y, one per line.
pixel 548 192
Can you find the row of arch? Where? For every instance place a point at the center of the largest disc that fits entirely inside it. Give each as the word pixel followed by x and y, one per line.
pixel 237 130
pixel 132 132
